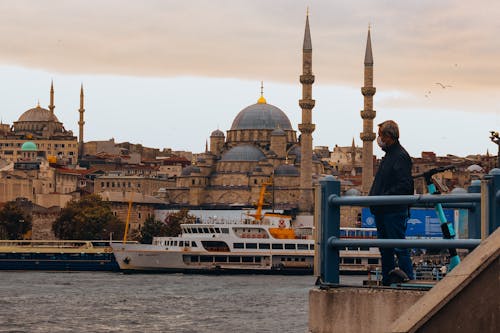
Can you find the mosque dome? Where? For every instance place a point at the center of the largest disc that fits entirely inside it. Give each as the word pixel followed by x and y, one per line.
pixel 286 170
pixel 28 146
pixel 218 133
pixel 243 153
pixel 38 114
pixel 261 116
pixel 187 171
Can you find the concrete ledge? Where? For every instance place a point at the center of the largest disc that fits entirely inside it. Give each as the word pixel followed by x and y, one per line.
pixel 358 309
pixel 466 300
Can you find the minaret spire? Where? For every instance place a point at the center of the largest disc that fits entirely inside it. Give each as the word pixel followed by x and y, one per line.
pixel 261 99
pixel 81 122
pixel 368 114
pixel 51 105
pixel 306 200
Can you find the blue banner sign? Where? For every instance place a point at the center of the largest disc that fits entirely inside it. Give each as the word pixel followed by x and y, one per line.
pixel 423 222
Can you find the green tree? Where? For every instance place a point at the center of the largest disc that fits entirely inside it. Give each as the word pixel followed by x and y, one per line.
pixel 173 221
pixel 87 218
pixel 14 222
pixel 151 228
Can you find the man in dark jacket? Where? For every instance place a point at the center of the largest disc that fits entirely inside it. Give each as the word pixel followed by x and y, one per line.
pixel 393 178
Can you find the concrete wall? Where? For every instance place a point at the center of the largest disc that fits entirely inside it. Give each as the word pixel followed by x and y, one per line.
pixel 358 309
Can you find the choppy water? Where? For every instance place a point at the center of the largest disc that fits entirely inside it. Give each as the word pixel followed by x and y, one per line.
pixel 112 302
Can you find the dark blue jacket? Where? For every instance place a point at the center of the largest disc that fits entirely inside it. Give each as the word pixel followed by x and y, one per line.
pixel 393 178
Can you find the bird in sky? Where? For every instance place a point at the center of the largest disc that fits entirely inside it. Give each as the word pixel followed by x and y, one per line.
pixel 443 85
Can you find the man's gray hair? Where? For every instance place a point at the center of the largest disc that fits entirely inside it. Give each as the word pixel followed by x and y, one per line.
pixel 390 127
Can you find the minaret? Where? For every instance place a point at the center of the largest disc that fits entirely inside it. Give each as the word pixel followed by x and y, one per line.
pixel 306 202
pixel 368 114
pixel 81 122
pixel 51 105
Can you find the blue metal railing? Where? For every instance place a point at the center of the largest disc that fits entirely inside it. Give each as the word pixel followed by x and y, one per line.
pixel 480 198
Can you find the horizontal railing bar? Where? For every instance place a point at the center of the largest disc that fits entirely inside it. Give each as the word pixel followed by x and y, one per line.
pixel 405 243
pixel 381 200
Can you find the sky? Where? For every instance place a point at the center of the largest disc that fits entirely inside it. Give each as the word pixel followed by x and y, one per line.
pixel 167 73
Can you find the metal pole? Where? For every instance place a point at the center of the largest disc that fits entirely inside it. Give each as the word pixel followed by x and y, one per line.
pixel 404 199
pixel 485 214
pixel 494 201
pixel 405 243
pixel 474 213
pixel 330 227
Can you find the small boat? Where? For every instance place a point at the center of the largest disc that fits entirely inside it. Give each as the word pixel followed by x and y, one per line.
pixel 57 255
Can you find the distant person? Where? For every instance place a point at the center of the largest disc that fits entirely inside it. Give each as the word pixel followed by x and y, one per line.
pixel 393 178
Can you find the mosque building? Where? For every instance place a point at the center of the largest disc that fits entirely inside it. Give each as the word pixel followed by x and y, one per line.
pixel 41 127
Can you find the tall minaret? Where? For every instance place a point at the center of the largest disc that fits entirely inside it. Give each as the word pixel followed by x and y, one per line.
pixel 368 114
pixel 51 105
pixel 306 202
pixel 81 122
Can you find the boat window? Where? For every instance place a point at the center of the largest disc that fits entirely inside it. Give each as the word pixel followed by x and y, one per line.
pixel 351 248
pixel 195 231
pixel 289 246
pixel 277 246
pixel 194 258
pixel 175 243
pixel 193 244
pixel 205 230
pixel 372 261
pixel 200 230
pixel 238 245
pixel 225 230
pixel 311 246
pixel 258 259
pixel 220 259
pixel 264 246
pixel 302 247
pixel 302 259
pixel 296 259
pixel 188 230
pixel 364 248
pixel 247 259
pixel 206 259
pixel 282 259
pixel 212 230
pixel 251 245
pixel 348 260
pixel 358 261
pixel 217 230
pixel 234 259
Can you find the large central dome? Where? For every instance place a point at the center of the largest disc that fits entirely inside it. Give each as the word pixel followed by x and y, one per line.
pixel 38 114
pixel 261 116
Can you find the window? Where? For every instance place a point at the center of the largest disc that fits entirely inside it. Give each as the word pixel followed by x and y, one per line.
pixel 264 246
pixel 247 259
pixel 289 246
pixel 238 245
pixel 225 230
pixel 277 246
pixel 251 245
pixel 193 244
pixel 302 247
pixel 311 246
pixel 234 259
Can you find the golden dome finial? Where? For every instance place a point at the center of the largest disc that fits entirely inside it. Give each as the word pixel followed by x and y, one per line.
pixel 38 103
pixel 261 100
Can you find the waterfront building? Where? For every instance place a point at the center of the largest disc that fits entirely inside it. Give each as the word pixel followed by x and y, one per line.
pixel 40 126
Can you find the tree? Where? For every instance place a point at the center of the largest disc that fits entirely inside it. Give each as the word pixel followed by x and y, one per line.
pixel 151 228
pixel 174 221
pixel 14 222
pixel 171 227
pixel 87 218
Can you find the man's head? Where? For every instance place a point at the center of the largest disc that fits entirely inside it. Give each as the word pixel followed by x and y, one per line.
pixel 388 133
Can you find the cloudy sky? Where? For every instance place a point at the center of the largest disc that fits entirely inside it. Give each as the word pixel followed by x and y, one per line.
pixel 167 73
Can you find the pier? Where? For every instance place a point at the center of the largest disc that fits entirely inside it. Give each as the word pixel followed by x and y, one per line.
pixel 466 300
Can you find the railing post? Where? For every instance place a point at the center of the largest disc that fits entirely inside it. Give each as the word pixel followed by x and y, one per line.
pixel 494 201
pixel 474 214
pixel 330 227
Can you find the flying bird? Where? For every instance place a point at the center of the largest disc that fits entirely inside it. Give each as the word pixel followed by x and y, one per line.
pixel 443 86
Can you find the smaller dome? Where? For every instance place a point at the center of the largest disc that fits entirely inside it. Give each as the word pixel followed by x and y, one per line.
pixel 352 192
pixel 217 132
pixel 278 132
pixel 474 168
pixel 187 171
pixel 243 153
pixel 28 146
pixel 286 170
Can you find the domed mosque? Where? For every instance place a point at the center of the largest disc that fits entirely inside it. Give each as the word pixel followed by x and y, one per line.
pixel 260 146
pixel 40 127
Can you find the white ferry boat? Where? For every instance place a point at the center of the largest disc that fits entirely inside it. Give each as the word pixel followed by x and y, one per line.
pixel 271 245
